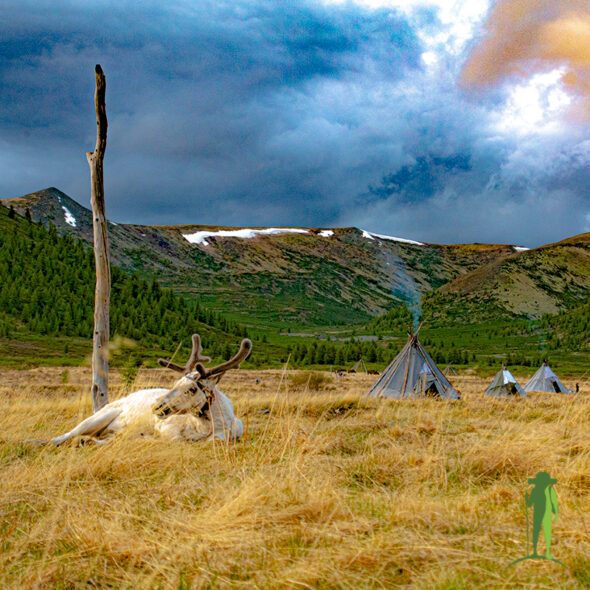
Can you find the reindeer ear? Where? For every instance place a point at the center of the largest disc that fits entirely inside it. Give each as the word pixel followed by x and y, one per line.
pixel 205 374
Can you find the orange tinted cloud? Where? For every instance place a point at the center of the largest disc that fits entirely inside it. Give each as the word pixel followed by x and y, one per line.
pixel 524 37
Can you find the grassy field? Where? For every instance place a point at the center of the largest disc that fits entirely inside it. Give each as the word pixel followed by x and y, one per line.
pixel 325 490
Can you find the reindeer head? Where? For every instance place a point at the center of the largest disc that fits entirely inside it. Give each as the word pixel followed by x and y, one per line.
pixel 197 385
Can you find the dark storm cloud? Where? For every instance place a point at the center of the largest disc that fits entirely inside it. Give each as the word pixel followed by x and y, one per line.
pixel 266 113
pixel 230 52
pixel 529 192
pixel 207 101
pixel 424 177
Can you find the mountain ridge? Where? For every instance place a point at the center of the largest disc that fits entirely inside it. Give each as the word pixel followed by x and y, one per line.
pixel 321 276
pixel 543 280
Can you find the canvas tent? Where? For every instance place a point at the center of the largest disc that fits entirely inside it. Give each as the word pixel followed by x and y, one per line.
pixel 413 374
pixel 546 380
pixel 504 384
pixel 358 367
pixel 448 371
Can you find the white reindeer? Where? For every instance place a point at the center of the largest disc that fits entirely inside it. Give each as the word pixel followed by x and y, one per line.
pixel 193 409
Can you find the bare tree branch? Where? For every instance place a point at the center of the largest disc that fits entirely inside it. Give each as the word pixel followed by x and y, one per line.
pixel 100 342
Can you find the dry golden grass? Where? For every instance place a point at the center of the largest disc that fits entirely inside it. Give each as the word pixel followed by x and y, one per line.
pixel 326 490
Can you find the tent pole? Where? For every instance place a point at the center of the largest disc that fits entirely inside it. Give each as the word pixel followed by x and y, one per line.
pixel 406 378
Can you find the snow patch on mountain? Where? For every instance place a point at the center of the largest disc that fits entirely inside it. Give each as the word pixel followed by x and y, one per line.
pixel 69 218
pixel 200 237
pixel 372 236
pixel 326 233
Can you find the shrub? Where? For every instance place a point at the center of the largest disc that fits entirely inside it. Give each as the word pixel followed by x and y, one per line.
pixel 312 380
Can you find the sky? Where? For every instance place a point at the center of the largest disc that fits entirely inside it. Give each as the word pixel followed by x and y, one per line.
pixel 438 121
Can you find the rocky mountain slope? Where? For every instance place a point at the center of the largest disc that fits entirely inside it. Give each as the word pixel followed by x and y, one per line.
pixel 314 276
pixel 531 283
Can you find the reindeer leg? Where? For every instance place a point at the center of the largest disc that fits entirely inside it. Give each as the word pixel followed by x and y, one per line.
pixel 102 441
pixel 91 426
pixel 198 437
pixel 94 440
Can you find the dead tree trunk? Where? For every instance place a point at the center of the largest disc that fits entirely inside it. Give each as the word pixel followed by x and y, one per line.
pixel 100 341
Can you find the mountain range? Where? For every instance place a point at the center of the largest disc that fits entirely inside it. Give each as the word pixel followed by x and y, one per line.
pixel 297 277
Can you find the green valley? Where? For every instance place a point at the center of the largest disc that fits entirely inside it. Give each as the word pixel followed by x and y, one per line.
pixel 317 297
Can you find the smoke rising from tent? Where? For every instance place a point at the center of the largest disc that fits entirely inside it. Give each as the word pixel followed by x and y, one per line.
pixel 525 37
pixel 415 307
pixel 404 286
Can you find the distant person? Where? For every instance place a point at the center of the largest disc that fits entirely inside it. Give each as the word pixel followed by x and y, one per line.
pixel 577 388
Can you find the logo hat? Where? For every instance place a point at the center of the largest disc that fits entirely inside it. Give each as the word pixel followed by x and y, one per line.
pixel 542 478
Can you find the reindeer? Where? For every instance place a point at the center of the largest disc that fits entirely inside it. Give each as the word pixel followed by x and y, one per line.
pixel 193 409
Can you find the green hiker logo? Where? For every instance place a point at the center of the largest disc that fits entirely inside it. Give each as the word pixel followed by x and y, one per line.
pixel 545 512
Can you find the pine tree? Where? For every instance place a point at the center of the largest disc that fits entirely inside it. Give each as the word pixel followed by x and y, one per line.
pixel 46 284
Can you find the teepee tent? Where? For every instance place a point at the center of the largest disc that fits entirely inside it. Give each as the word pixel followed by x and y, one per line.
pixel 449 371
pixel 358 367
pixel 504 384
pixel 546 380
pixel 413 374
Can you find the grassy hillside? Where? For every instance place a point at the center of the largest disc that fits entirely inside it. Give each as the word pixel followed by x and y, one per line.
pixel 532 283
pixel 570 329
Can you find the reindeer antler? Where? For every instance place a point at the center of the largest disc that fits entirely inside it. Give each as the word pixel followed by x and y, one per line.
pixel 194 358
pixel 234 363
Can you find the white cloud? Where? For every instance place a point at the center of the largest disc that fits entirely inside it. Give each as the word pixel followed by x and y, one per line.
pixel 537 106
pixel 430 58
pixel 459 19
